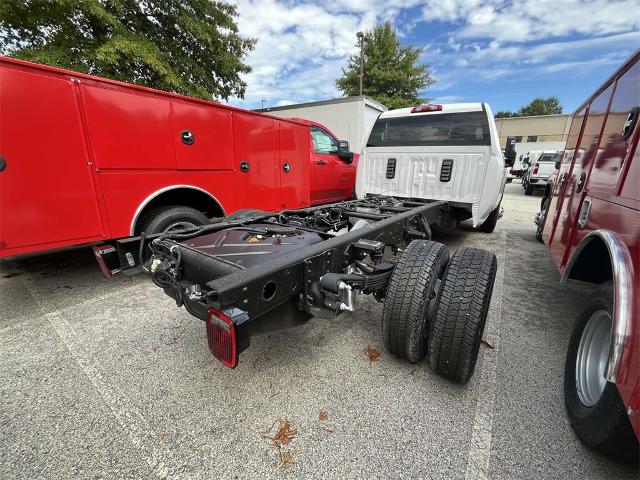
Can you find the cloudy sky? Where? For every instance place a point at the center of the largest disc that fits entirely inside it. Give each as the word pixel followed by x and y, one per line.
pixel 501 52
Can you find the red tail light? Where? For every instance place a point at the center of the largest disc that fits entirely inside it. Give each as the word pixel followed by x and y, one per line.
pixel 221 336
pixel 426 108
pixel 535 168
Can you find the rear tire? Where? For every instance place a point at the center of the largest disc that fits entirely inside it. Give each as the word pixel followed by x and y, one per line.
pixel 489 224
pixel 544 207
pixel 461 312
pixel 173 217
pixel 411 291
pixel 596 411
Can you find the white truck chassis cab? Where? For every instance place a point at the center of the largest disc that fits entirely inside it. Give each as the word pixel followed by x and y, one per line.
pixel 445 153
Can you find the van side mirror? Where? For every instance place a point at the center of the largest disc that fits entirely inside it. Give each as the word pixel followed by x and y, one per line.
pixel 510 152
pixel 558 164
pixel 343 151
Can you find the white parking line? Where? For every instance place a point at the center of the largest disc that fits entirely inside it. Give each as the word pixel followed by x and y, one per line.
pixel 140 433
pixel 479 456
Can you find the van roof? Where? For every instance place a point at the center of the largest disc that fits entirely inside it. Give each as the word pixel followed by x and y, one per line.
pixel 154 91
pixel 446 108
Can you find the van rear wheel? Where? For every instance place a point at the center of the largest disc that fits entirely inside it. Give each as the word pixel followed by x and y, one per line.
pixel 173 218
pixel 595 409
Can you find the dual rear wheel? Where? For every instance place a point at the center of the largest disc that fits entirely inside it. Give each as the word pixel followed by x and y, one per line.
pixel 438 305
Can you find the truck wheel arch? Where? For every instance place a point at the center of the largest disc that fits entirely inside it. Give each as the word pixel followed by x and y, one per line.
pixel 601 256
pixel 186 195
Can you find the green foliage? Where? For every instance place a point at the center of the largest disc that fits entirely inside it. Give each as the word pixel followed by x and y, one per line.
pixel 183 46
pixel 506 114
pixel 392 73
pixel 541 106
pixel 538 106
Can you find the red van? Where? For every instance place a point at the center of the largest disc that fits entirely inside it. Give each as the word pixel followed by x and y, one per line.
pixel 86 159
pixel 593 232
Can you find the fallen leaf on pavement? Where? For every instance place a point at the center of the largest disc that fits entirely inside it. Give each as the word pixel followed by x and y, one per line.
pixel 286 459
pixel 323 415
pixel 285 433
pixel 488 345
pixel 373 353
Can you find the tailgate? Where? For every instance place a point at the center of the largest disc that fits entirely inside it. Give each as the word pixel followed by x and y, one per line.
pixel 544 170
pixel 453 177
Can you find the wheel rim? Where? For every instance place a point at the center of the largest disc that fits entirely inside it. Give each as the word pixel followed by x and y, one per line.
pixel 591 361
pixel 177 226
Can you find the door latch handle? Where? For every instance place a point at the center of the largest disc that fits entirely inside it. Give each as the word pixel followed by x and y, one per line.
pixel 584 212
pixel 321 162
pixel 244 166
pixel 286 167
pixel 563 179
pixel 580 185
pixel 187 137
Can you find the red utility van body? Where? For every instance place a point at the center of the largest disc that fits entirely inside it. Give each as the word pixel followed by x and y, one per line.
pixel 86 159
pixel 593 223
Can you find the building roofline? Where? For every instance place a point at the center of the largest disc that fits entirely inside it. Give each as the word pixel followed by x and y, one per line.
pixel 536 116
pixel 319 103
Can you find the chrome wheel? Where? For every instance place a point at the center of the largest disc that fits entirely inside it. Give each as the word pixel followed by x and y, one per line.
pixel 591 361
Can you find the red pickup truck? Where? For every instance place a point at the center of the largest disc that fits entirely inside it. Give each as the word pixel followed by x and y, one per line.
pixel 592 229
pixel 86 159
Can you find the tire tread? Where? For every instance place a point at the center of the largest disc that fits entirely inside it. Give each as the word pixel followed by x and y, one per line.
pixel 461 311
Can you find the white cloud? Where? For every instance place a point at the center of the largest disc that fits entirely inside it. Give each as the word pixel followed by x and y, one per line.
pixel 527 20
pixel 302 45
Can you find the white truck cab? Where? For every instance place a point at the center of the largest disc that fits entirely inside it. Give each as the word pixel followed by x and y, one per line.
pixel 438 152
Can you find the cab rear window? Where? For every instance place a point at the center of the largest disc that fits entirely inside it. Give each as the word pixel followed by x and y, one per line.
pixel 444 129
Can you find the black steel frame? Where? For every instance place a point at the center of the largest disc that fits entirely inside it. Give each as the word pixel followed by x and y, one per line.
pixel 296 275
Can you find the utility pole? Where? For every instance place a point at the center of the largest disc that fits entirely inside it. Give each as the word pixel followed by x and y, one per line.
pixel 360 36
pixel 263 100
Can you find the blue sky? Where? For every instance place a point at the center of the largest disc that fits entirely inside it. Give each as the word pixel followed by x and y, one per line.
pixel 502 52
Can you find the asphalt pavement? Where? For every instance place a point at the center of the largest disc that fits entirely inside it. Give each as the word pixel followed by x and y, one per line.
pixel 108 379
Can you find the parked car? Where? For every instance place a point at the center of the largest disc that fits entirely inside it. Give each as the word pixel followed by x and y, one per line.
pixel 517 169
pixel 438 152
pixel 544 164
pixel 86 159
pixel 592 230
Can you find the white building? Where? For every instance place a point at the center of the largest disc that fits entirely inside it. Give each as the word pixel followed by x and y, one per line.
pixel 350 118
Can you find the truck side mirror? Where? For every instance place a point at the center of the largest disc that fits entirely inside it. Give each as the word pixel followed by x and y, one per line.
pixel 558 164
pixel 510 152
pixel 343 151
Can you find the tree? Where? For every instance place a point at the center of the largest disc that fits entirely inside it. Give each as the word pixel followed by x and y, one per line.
pixel 183 46
pixel 506 114
pixel 392 73
pixel 538 106
pixel 541 106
